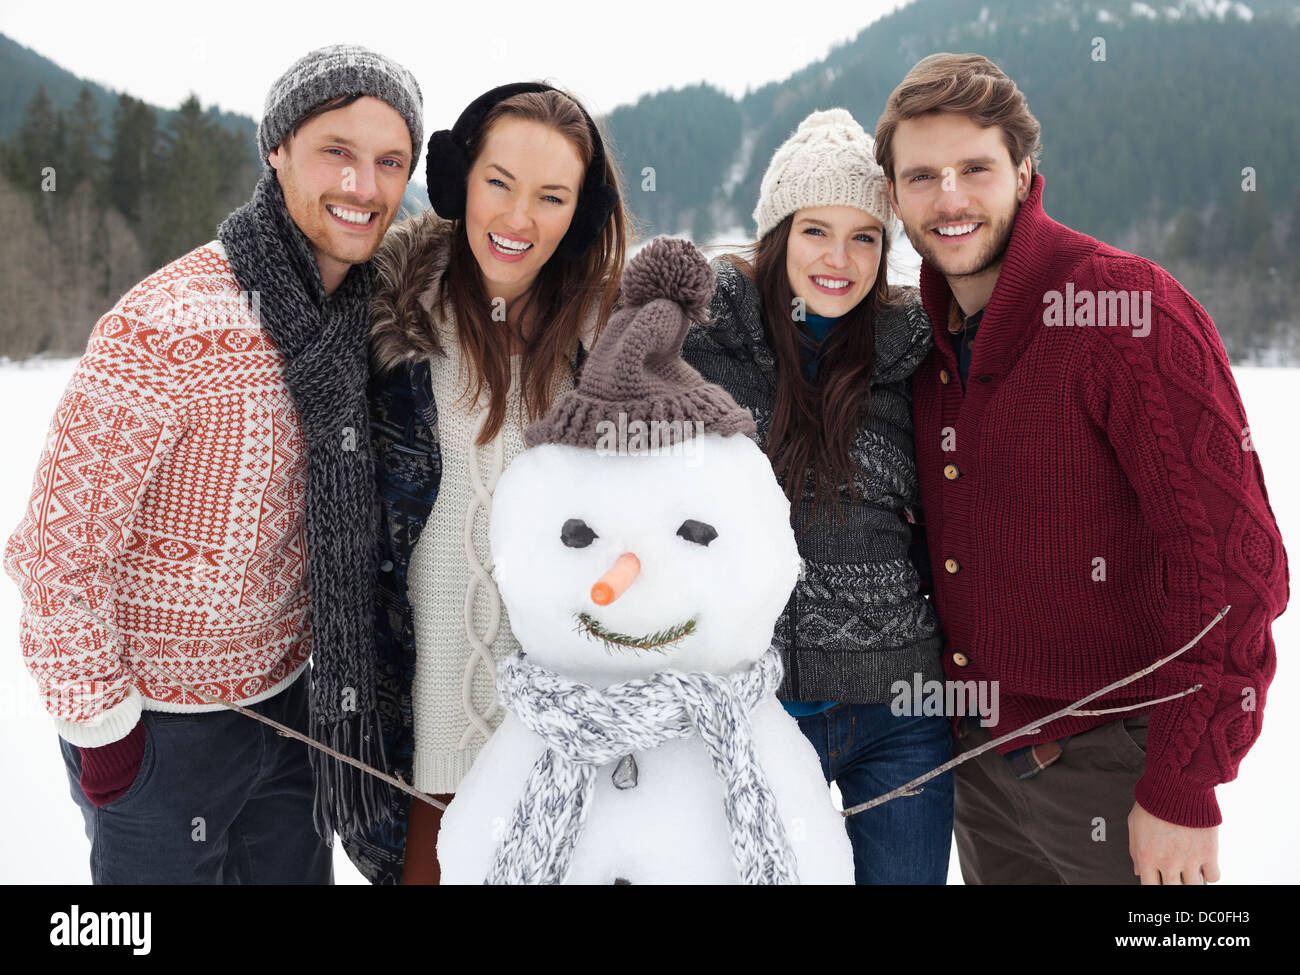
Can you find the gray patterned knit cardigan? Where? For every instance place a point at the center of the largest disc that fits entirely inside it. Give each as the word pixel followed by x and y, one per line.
pixel 856 621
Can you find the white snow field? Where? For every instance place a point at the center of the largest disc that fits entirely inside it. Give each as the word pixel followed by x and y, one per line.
pixel 42 838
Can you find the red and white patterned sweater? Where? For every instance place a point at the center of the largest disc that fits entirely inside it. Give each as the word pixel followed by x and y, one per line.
pixel 170 497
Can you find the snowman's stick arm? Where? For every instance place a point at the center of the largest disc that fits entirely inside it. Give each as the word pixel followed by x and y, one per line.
pixel 1072 710
pixel 282 729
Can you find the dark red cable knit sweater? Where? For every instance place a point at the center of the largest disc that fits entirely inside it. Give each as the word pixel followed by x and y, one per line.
pixel 1076 444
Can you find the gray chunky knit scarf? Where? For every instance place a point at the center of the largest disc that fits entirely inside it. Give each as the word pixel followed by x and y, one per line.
pixel 323 339
pixel 586 728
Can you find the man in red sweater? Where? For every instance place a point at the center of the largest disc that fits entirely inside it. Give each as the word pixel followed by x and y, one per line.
pixel 1092 501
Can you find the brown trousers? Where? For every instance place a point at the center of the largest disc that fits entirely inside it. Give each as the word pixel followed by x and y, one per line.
pixel 420 861
pixel 1066 825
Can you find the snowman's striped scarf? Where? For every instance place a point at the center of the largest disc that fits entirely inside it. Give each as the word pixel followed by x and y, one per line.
pixel 586 729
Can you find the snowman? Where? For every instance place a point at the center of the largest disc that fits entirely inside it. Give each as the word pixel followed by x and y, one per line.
pixel 643 550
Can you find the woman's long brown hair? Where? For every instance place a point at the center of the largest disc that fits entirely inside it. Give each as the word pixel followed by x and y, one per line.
pixel 560 299
pixel 814 423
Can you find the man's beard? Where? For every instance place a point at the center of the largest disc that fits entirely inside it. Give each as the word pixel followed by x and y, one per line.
pixel 998 235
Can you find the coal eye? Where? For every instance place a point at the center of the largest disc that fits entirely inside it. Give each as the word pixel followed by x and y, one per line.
pixel 576 534
pixel 697 532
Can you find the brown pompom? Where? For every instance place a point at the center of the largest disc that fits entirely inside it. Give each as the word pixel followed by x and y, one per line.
pixel 672 268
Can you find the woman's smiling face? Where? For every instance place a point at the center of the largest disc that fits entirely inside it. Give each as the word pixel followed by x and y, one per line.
pixel 522 192
pixel 832 257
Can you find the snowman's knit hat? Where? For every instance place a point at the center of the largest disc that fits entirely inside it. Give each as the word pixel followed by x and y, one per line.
pixel 637 369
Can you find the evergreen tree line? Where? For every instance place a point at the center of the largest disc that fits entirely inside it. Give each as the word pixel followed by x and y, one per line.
pixel 674 149
pixel 1173 140
pixel 91 212
pixel 1145 149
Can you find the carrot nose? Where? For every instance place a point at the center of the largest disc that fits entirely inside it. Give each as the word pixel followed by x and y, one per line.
pixel 615 582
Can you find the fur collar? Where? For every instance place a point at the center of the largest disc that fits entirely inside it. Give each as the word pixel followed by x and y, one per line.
pixel 409 265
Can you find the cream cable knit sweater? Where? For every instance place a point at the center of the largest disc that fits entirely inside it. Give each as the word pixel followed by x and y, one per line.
pixel 461 627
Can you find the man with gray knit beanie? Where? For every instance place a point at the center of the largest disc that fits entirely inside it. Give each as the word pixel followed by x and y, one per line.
pixel 202 517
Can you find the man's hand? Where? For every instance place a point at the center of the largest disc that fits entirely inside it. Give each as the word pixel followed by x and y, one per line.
pixel 1164 853
pixel 109 771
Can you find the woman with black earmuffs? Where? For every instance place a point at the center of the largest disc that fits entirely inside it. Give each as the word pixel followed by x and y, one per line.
pixel 484 309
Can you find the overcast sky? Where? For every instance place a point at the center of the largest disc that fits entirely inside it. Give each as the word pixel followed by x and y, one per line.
pixel 608 54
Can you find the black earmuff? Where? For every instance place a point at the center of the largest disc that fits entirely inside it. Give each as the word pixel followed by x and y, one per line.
pixel 447 171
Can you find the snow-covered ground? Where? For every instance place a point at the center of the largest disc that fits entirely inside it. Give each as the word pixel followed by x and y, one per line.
pixel 42 838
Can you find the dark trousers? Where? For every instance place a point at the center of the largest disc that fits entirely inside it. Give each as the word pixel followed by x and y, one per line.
pixel 867 750
pixel 1066 825
pixel 220 798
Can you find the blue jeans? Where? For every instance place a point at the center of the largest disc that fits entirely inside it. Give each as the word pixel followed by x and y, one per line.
pixel 220 798
pixel 867 751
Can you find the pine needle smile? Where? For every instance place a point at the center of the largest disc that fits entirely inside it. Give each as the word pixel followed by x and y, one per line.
pixel 588 625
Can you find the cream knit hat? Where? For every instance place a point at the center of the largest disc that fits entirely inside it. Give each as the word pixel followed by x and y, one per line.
pixel 828 161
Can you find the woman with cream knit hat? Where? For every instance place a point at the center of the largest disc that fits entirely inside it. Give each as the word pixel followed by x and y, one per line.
pixel 807 333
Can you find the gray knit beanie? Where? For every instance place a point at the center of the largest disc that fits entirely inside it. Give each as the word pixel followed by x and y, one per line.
pixel 340 69
pixel 828 161
pixel 637 367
